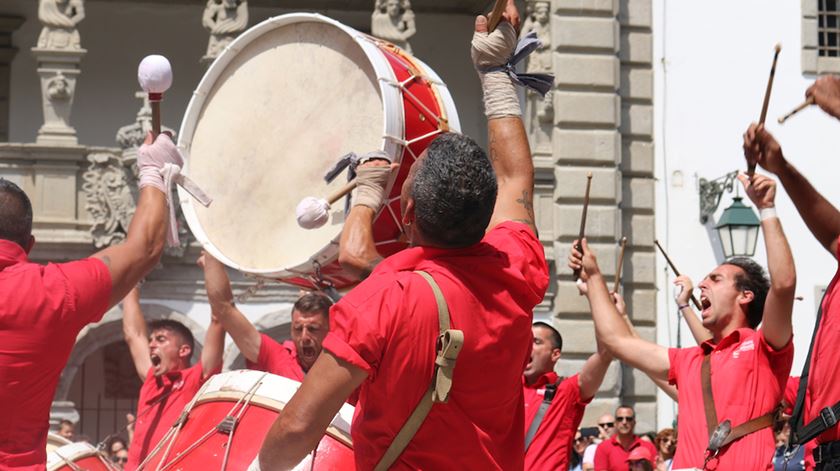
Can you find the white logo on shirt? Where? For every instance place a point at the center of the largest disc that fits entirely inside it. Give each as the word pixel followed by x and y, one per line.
pixel 747 346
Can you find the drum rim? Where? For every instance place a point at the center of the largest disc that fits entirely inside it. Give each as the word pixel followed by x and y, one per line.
pixel 75 451
pixel 393 123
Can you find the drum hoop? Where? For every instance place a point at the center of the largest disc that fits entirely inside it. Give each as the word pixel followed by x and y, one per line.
pixel 76 451
pixel 391 102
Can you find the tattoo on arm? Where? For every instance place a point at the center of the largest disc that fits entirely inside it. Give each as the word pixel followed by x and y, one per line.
pixel 494 154
pixel 106 260
pixel 527 202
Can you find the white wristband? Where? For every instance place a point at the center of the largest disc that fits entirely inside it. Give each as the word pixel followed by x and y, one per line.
pixel 767 213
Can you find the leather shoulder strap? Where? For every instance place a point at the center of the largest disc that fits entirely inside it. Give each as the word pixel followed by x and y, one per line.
pixel 708 396
pixel 449 344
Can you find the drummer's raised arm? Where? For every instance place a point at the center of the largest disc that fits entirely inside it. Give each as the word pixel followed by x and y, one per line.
pixel 508 143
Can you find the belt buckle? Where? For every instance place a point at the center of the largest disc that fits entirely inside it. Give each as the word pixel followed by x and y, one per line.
pixel 828 417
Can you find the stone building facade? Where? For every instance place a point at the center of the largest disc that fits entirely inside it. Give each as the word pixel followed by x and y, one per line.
pixel 598 118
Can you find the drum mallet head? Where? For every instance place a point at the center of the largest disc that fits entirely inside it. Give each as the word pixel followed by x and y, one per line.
pixel 312 212
pixel 155 76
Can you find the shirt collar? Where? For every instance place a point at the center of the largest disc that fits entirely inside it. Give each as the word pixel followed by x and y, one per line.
pixel 637 440
pixel 547 378
pixel 11 254
pixel 734 338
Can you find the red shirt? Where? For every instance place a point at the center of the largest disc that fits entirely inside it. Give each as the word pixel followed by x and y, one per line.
pixel 42 310
pixel 388 326
pixel 611 456
pixel 748 381
pixel 161 402
pixel 552 444
pixel 823 387
pixel 278 359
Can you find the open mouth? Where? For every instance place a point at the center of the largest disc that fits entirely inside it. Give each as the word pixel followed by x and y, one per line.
pixel 705 303
pixel 155 359
pixel 309 352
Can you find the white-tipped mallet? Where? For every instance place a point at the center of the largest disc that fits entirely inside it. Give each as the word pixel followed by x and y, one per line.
pixel 155 76
pixel 808 102
pixel 313 212
pixel 766 103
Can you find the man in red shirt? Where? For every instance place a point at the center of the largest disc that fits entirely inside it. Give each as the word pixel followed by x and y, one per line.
pixel 612 454
pixel 823 219
pixel 291 359
pixel 473 232
pixel 43 308
pixel 162 358
pixel 551 439
pixel 749 368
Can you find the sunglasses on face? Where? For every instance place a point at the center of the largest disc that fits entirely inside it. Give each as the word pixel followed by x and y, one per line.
pixel 625 419
pixel 607 425
pixel 122 460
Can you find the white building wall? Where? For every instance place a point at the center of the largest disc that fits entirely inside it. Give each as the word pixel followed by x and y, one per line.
pixel 712 62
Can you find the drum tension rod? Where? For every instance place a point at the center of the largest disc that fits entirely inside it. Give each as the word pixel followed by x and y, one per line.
pixel 228 425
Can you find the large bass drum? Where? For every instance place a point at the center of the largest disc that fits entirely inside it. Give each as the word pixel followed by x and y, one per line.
pixel 276 111
pixel 76 456
pixel 224 427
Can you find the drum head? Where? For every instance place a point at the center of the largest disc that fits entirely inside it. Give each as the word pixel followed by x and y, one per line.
pixel 274 113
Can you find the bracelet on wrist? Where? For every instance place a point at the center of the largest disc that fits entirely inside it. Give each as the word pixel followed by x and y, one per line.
pixel 680 307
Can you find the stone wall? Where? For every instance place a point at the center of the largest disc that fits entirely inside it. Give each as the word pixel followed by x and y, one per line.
pixel 603 115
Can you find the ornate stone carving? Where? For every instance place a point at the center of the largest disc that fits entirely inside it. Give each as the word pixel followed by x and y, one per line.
pixel 225 19
pixel 130 137
pixel 60 18
pixel 110 198
pixel 393 21
pixel 58 53
pixel 539 110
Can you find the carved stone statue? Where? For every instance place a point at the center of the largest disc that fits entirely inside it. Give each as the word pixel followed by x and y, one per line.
pixel 393 21
pixel 225 19
pixel 539 110
pixel 60 18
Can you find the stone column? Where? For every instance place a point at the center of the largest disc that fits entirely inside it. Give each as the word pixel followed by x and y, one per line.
pixel 58 53
pixel 8 25
pixel 585 138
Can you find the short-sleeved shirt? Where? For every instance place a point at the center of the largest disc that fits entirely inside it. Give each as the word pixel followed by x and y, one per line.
pixel 162 399
pixel 42 310
pixel 748 381
pixel 277 359
pixel 551 446
pixel 388 327
pixel 823 387
pixel 611 456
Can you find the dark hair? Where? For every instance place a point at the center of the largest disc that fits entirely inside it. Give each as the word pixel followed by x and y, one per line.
pixel 626 406
pixel 752 279
pixel 314 303
pixel 174 326
pixel 556 338
pixel 454 191
pixel 64 422
pixel 15 214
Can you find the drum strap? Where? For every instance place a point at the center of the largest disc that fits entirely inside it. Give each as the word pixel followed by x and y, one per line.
pixel 449 344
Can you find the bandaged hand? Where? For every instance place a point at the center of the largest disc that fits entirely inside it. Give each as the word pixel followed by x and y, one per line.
pixel 153 158
pixel 372 177
pixel 491 50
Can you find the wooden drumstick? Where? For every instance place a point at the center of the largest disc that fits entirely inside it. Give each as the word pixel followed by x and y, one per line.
pixel 623 244
pixel 802 106
pixel 751 167
pixel 496 15
pixel 676 272
pixel 342 192
pixel 155 76
pixel 579 245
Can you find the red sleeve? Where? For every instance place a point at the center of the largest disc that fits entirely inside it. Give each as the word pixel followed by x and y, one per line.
pixel 652 448
pixel 525 252
pixel 674 357
pixel 791 390
pixel 780 360
pixel 88 288
pixel 602 458
pixel 271 353
pixel 359 323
